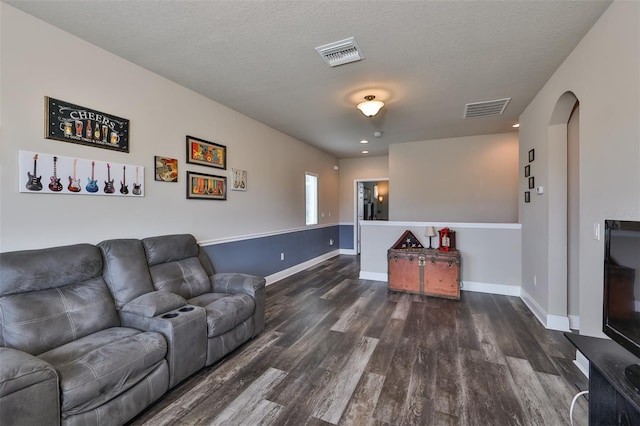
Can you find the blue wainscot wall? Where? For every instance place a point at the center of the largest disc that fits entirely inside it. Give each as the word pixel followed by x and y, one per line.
pixel 346 237
pixel 262 255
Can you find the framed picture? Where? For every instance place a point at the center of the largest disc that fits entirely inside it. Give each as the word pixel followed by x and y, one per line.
pixel 532 182
pixel 206 187
pixel 85 176
pixel 532 155
pixel 239 180
pixel 77 124
pixel 206 153
pixel 527 170
pixel 527 196
pixel 166 169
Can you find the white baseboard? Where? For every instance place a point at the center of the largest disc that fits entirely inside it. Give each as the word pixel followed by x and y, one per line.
pixel 582 363
pixel 533 306
pixel 502 289
pixel 300 267
pixel 350 252
pixel 552 322
pixel 574 322
pixel 558 322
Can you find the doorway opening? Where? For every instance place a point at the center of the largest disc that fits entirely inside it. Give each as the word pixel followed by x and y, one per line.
pixel 371 202
pixel 564 210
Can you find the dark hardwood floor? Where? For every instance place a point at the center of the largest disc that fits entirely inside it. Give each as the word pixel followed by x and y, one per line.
pixel 340 350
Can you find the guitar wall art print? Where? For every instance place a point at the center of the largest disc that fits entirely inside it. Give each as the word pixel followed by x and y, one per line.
pixel 108 184
pixel 137 188
pixel 95 171
pixel 34 183
pixel 74 184
pixel 123 183
pixel 92 184
pixel 55 184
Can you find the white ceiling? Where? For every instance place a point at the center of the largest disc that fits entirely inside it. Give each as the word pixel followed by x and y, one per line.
pixel 424 59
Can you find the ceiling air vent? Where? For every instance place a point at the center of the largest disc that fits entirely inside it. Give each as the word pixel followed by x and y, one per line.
pixel 340 52
pixel 486 108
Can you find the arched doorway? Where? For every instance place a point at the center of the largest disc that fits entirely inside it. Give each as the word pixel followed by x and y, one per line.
pixel 564 221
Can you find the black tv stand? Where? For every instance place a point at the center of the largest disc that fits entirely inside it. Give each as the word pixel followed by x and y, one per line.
pixel 613 399
pixel 632 373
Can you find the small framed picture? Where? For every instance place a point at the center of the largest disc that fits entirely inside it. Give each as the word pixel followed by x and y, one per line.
pixel 532 182
pixel 527 196
pixel 239 180
pixel 532 155
pixel 166 169
pixel 206 153
pixel 527 170
pixel 206 187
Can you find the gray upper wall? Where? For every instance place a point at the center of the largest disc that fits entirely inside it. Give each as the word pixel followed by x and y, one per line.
pixel 39 60
pixel 603 73
pixel 467 179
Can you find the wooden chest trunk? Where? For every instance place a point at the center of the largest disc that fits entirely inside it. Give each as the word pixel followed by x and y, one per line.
pixel 424 271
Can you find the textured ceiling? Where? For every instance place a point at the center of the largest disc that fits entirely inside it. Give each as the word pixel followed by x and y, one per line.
pixel 424 59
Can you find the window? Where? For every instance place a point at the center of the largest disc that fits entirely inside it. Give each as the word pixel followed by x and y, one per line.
pixel 311 198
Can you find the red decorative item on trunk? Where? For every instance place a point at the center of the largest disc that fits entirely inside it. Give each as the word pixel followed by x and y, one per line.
pixel 447 239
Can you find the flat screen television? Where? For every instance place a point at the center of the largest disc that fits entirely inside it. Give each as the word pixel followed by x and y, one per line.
pixel 621 319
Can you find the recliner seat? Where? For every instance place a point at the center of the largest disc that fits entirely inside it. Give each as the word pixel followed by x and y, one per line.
pixel 234 302
pixel 56 307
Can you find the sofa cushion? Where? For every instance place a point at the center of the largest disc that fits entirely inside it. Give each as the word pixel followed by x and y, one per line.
pixel 185 277
pixel 125 269
pixel 169 248
pixel 38 321
pixel 97 368
pixel 207 298
pixel 33 270
pixel 225 313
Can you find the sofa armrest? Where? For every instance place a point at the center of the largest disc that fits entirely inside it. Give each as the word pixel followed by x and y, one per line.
pixel 154 303
pixel 185 330
pixel 27 382
pixel 236 283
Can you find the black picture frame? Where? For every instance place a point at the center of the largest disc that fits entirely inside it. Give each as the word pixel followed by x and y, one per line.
pixel 72 123
pixel 527 170
pixel 205 153
pixel 166 169
pixel 527 196
pixel 201 186
pixel 532 182
pixel 532 155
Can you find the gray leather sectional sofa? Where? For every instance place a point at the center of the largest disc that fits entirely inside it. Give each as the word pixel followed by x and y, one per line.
pixel 92 335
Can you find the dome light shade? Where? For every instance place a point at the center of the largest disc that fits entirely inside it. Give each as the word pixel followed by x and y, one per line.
pixel 370 107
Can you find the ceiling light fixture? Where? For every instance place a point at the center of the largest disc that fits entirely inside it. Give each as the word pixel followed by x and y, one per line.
pixel 515 126
pixel 370 107
pixel 364 141
pixel 365 152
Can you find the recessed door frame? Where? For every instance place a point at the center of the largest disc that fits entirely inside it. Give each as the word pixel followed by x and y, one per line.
pixel 356 210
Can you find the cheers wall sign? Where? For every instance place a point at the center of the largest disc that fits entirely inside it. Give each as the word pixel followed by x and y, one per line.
pixel 72 123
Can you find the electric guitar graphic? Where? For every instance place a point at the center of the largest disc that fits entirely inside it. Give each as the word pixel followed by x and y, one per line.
pixel 136 186
pixel 108 184
pixel 74 184
pixel 34 183
pixel 55 184
pixel 92 185
pixel 123 182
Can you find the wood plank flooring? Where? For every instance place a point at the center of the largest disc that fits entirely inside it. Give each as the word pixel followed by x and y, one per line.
pixel 344 351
